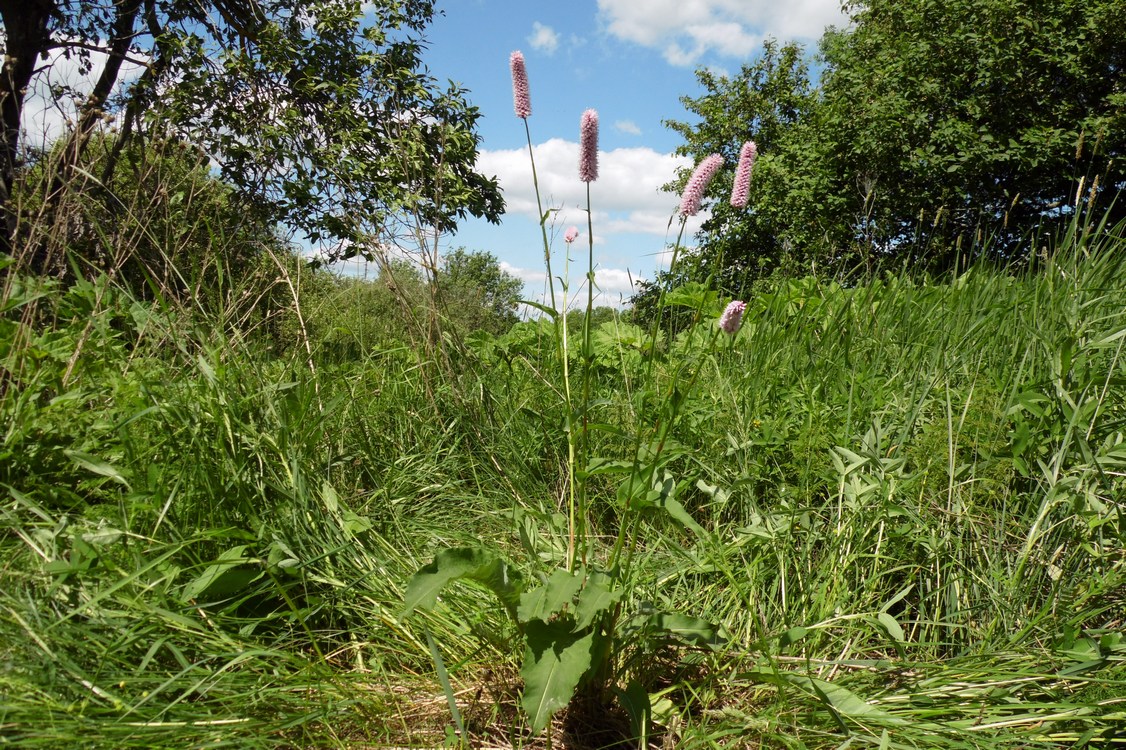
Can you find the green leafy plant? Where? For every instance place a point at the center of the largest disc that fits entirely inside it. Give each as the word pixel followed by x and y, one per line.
pixel 579 622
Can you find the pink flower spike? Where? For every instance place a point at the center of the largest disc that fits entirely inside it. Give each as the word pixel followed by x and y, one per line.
pixel 520 95
pixel 697 183
pixel 742 189
pixel 588 146
pixel 571 235
pixel 732 317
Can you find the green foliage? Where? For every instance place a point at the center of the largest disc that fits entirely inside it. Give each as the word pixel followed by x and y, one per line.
pixel 348 317
pixel 935 132
pixel 770 101
pixel 888 513
pixel 357 125
pixel 161 223
pixel 976 117
pixel 318 113
pixel 478 294
pixel 598 316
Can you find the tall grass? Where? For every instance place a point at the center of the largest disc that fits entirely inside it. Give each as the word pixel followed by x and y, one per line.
pixel 909 493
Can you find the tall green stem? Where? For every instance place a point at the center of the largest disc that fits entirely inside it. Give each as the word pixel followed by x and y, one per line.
pixel 542 216
pixel 624 530
pixel 561 330
pixel 569 426
pixel 588 371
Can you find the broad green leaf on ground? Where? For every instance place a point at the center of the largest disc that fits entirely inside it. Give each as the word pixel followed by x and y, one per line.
pixel 892 626
pixel 597 596
pixel 555 661
pixel 692 630
pixel 792 636
pixel 96 465
pixel 840 700
pixel 635 700
pixel 227 575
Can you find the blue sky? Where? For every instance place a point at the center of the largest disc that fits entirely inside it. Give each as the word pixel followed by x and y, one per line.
pixel 631 61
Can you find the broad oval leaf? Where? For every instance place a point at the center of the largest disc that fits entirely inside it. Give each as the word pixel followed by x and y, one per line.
pixel 555 661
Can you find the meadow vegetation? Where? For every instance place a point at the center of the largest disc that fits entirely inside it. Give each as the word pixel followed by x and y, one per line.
pixel 904 508
pixel 249 502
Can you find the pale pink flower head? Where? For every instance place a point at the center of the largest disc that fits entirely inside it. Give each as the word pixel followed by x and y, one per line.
pixel 742 188
pixel 698 183
pixel 588 146
pixel 520 96
pixel 571 235
pixel 732 317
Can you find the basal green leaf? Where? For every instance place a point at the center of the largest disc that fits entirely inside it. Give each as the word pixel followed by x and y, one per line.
pixel 665 497
pixel 635 700
pixel 97 466
pixel 555 661
pixel 463 562
pixel 551 598
pixel 792 636
pixel 225 576
pixel 597 596
pixel 840 700
pixel 685 628
pixel 892 627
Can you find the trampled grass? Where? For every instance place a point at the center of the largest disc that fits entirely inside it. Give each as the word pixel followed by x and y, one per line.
pixel 909 501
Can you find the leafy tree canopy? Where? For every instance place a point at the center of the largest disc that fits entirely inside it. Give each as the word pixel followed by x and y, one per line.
pixel 937 129
pixel 480 295
pixel 324 120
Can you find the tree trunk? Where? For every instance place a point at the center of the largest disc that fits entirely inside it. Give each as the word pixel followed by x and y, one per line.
pixel 27 25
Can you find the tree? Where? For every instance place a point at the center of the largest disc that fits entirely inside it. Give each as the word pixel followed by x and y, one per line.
pixel 160 222
pixel 765 102
pixel 27 35
pixel 963 117
pixel 479 294
pixel 319 121
pixel 598 316
pixel 938 129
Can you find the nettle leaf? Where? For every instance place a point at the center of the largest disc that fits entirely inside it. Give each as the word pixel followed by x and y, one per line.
pixel 473 563
pixel 555 661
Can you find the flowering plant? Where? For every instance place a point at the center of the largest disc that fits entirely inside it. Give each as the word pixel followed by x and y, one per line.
pixel 732 317
pixel 578 620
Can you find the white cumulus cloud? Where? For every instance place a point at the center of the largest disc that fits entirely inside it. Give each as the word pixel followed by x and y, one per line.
pixel 684 30
pixel 543 38
pixel 626 198
pixel 626 201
